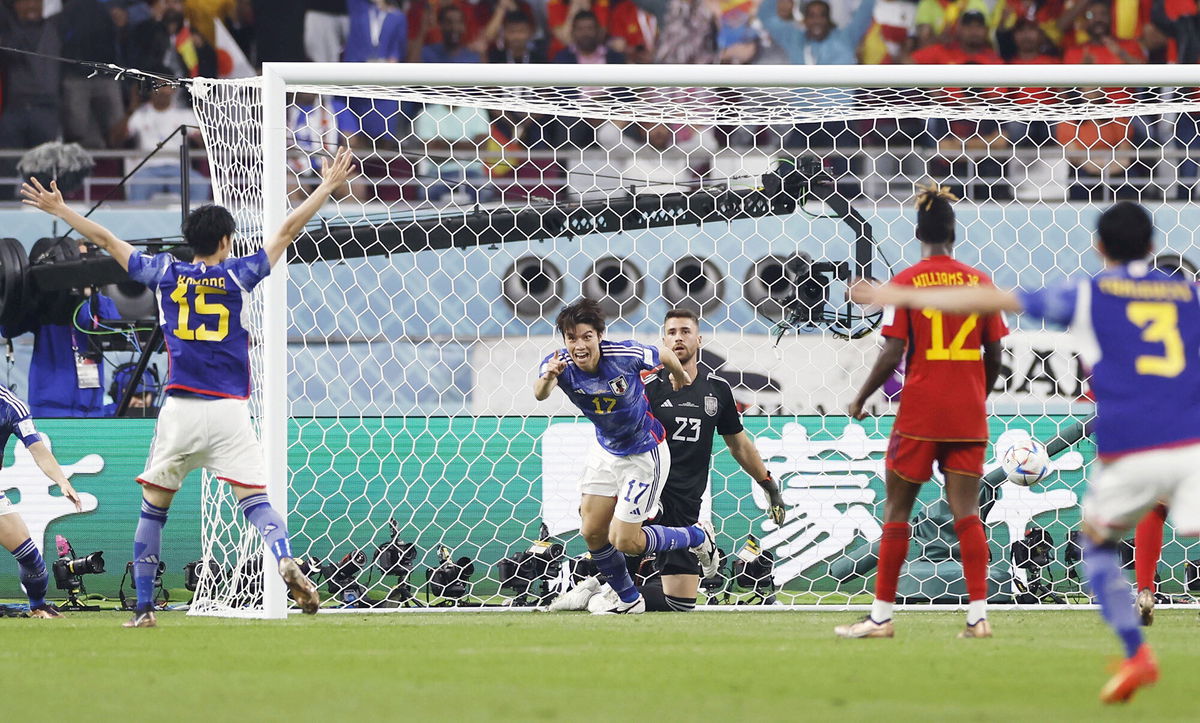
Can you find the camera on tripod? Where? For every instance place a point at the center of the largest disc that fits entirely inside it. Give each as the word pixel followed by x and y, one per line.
pixel 341 578
pixel 522 571
pixel 396 557
pixel 1033 554
pixel 451 579
pixel 69 570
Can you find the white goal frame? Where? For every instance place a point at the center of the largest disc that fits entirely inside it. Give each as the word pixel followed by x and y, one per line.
pixel 277 78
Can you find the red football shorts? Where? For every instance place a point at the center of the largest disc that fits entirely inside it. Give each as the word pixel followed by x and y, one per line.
pixel 913 459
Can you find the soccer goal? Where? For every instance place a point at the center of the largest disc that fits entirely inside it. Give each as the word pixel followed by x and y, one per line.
pixel 394 353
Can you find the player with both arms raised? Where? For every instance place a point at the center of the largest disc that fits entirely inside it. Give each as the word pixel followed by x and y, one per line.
pixel 205 421
pixel 625 471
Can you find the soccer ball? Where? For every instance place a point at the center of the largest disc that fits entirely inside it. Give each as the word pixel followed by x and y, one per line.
pixel 1026 462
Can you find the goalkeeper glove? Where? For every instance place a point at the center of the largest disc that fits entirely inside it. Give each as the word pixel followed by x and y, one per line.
pixel 776 508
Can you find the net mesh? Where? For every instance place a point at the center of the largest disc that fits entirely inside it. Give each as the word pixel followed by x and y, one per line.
pixel 422 301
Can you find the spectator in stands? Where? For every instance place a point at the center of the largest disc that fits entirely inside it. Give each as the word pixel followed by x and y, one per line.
pixel 203 15
pixel 937 20
pixel 493 33
pixel 587 43
pixel 165 39
pixel 1180 21
pixel 453 137
pixel 560 17
pixel 452 48
pixel 31 84
pixel 1031 47
pixel 687 30
pixel 326 28
pixel 660 158
pixel 91 105
pixel 1101 46
pixel 819 41
pixel 426 26
pixel 517 44
pixel 1100 150
pixel 147 124
pixel 317 127
pixel 633 32
pixel 971 45
pixel 378 34
pixel 738 41
pixel 1045 14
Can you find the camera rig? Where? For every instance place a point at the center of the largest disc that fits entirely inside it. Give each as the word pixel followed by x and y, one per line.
pixel 792 183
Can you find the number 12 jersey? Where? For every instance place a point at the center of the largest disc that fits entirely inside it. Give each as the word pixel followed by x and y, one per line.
pixel 945 386
pixel 202 310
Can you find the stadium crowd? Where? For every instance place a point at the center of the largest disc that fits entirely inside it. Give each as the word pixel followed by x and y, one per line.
pixel 44 99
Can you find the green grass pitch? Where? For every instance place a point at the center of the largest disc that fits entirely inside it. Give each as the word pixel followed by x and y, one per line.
pixel 714 666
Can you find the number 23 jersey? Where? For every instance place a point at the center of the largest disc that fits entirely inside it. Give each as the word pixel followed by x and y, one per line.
pixel 945 387
pixel 202 310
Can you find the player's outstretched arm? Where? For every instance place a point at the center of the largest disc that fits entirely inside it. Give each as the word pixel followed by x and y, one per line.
pixel 51 201
pixel 334 174
pixel 49 465
pixel 961 300
pixel 743 450
pixel 548 379
pixel 679 377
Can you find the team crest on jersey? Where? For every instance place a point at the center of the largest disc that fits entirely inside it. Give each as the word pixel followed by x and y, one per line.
pixel 619 386
pixel 710 406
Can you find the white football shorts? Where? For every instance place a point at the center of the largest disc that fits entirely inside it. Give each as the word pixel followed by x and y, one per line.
pixel 215 434
pixel 635 480
pixel 1125 489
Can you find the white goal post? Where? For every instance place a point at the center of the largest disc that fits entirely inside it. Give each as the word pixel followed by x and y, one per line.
pixel 258 160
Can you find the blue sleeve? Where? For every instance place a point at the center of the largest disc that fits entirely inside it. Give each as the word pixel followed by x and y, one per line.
pixel 248 271
pixel 1055 304
pixel 148 269
pixel 858 26
pixel 645 360
pixel 15 415
pixel 786 35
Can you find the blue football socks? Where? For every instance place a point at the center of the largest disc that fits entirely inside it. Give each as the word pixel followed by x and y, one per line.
pixel 147 551
pixel 663 539
pixel 33 572
pixel 262 515
pixel 1102 566
pixel 611 562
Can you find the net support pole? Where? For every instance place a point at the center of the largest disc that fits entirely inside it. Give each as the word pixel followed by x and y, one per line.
pixel 275 321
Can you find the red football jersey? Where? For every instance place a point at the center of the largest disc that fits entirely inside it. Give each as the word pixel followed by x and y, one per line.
pixel 944 390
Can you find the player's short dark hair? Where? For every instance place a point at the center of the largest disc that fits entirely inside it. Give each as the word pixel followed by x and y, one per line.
pixel 446 10
pixel 585 311
pixel 1126 232
pixel 811 3
pixel 681 313
pixel 206 226
pixel 935 215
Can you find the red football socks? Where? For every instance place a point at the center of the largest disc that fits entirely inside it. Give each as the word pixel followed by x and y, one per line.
pixel 972 545
pixel 1147 546
pixel 893 548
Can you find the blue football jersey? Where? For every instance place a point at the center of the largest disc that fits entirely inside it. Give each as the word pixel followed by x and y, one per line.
pixel 614 398
pixel 1139 331
pixel 15 420
pixel 202 310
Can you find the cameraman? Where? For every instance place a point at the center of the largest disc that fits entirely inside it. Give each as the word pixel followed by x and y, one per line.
pixel 142 403
pixel 67 369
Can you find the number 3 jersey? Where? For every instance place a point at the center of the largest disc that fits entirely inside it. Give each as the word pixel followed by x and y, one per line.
pixel 613 397
pixel 945 391
pixel 1139 330
pixel 202 311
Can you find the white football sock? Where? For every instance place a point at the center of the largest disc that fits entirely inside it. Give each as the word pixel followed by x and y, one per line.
pixel 976 611
pixel 881 611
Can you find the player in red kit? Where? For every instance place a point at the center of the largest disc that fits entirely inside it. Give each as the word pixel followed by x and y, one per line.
pixel 952 361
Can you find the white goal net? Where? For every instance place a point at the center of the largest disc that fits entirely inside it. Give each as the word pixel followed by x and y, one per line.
pixel 394 355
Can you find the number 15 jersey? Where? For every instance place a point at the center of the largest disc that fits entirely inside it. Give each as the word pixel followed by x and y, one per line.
pixel 202 310
pixel 945 386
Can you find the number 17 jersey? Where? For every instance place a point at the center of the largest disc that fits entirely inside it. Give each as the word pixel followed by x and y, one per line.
pixel 945 391
pixel 202 310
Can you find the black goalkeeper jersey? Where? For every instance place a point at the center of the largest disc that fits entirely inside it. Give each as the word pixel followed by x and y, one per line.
pixel 691 417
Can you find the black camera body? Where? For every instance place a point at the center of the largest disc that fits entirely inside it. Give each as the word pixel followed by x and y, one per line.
pixel 522 571
pixel 396 557
pixel 341 578
pixel 451 580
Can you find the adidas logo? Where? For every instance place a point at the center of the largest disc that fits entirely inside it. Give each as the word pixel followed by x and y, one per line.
pixel 668 403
